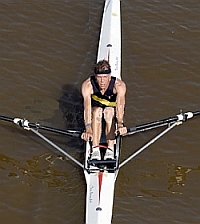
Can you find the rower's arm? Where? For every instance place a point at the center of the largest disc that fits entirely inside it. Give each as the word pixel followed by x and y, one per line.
pixel 120 106
pixel 87 92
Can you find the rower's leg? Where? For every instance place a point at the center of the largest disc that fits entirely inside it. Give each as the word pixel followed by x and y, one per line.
pixel 96 129
pixel 109 116
pixel 109 113
pixel 96 124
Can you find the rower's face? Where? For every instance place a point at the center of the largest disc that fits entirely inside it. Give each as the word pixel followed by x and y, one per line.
pixel 103 80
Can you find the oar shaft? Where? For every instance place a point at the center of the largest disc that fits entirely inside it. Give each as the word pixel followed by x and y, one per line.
pixel 163 122
pixel 26 124
pixel 55 130
pixel 154 124
pixel 196 113
pixel 4 118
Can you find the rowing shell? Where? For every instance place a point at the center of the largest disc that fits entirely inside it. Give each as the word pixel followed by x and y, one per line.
pixel 101 175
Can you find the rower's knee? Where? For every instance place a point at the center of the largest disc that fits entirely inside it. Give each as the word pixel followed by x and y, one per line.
pixel 109 114
pixel 97 114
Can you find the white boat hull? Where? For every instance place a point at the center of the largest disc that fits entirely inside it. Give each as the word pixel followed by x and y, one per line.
pixel 100 180
pixel 110 37
pixel 100 193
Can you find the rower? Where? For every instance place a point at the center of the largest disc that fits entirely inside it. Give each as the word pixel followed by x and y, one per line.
pixel 104 99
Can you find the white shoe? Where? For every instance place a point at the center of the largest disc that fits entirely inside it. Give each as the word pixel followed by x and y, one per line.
pixel 96 155
pixel 109 154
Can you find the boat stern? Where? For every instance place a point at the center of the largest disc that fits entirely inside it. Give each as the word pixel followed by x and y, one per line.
pixel 99 197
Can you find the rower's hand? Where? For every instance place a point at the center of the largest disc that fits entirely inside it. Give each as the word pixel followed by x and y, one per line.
pixel 121 130
pixel 87 135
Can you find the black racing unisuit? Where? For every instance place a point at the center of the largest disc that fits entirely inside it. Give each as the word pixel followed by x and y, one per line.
pixel 108 99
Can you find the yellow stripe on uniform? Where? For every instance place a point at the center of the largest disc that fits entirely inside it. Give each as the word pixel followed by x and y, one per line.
pixel 103 101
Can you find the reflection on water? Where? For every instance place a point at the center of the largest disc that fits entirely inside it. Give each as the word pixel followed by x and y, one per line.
pixel 156 178
pixel 41 168
pixel 177 177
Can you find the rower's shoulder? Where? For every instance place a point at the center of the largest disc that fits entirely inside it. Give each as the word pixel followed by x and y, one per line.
pixel 120 84
pixel 87 82
pixel 87 86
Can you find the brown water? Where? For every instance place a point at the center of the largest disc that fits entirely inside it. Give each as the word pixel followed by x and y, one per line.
pixel 46 51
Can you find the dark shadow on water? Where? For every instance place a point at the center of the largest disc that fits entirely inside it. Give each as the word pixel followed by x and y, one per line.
pixel 71 106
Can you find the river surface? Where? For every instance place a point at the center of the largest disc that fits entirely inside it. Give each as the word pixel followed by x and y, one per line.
pixel 47 49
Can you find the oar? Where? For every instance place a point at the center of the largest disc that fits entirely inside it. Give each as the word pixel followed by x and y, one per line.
pixel 144 127
pixel 26 125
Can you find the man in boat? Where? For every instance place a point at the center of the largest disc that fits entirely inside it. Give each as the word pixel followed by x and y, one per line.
pixel 104 98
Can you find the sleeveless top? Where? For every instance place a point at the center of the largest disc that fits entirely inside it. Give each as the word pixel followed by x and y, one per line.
pixel 108 99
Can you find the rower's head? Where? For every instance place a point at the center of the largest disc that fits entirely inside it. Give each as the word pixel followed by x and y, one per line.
pixel 102 73
pixel 102 68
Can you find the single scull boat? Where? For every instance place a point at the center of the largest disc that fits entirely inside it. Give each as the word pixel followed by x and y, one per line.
pixel 101 175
